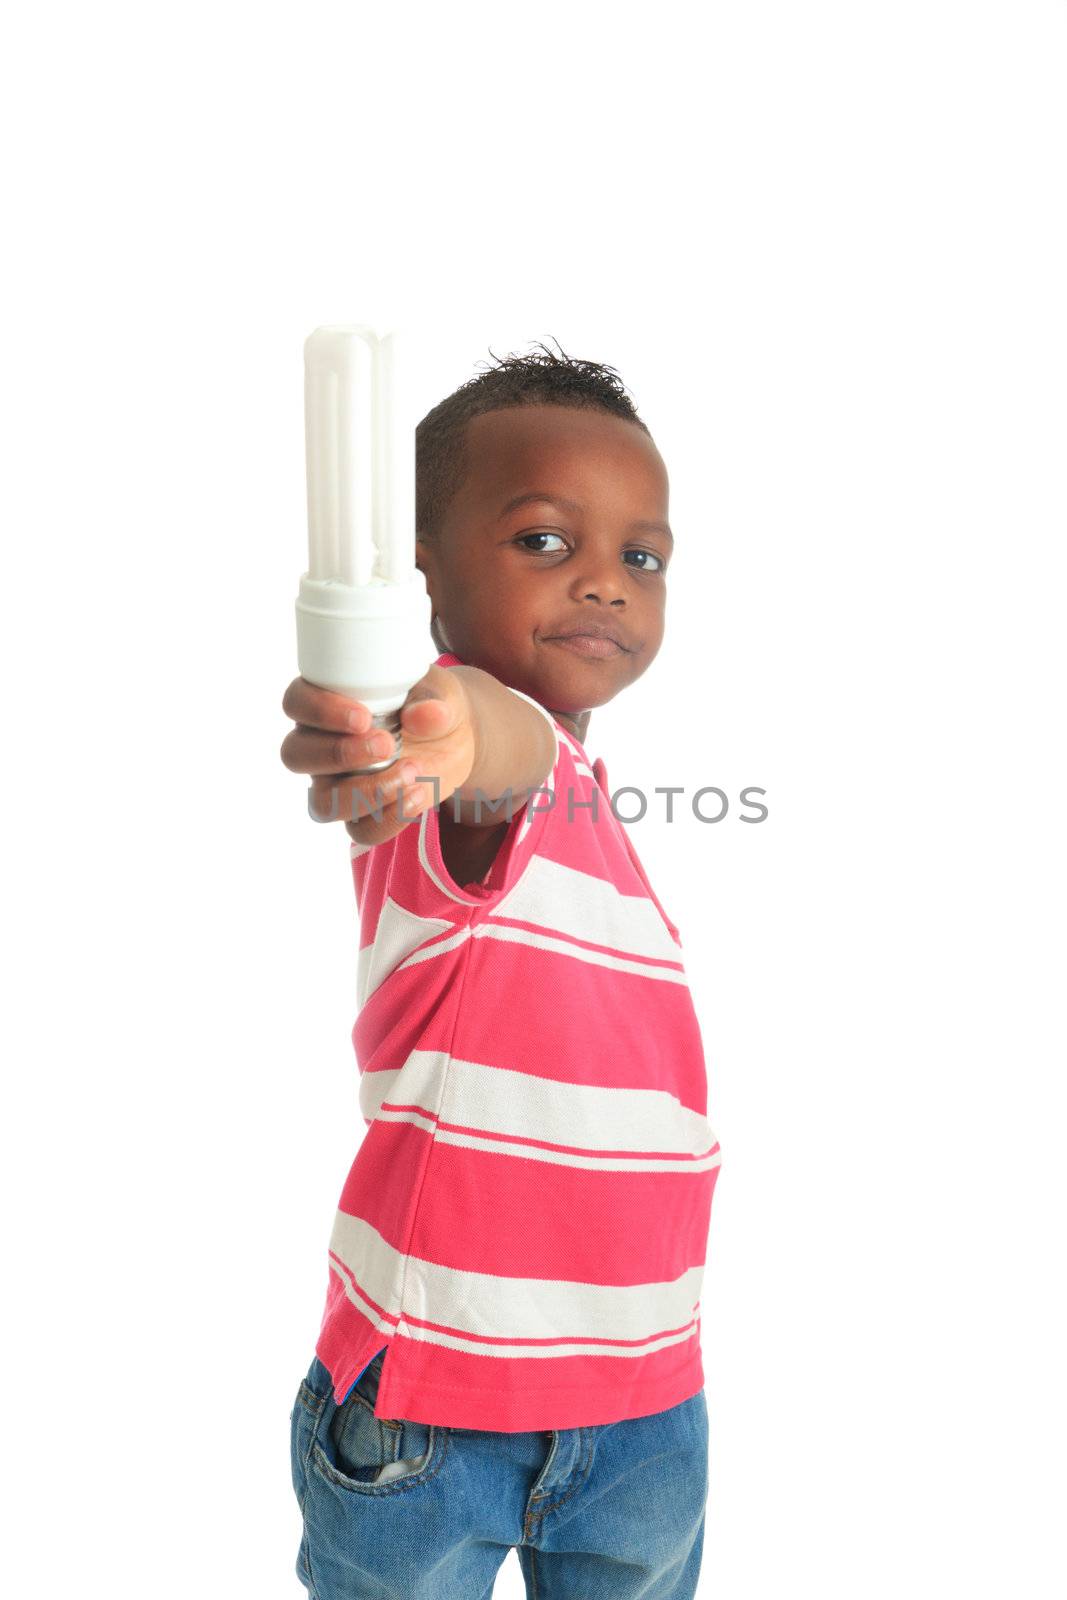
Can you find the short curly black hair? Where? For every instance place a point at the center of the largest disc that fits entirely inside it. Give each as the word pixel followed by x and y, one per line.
pixel 441 459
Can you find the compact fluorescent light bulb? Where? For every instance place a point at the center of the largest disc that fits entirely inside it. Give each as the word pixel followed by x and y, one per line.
pixel 363 613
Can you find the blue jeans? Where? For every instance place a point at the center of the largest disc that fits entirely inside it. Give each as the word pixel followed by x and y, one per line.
pixel 397 1510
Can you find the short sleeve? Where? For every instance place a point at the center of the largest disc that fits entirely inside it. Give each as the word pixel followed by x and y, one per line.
pixel 525 833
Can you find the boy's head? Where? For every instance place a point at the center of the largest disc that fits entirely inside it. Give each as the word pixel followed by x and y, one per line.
pixel 507 581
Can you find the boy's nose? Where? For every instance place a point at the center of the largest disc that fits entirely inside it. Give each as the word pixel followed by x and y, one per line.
pixel 602 582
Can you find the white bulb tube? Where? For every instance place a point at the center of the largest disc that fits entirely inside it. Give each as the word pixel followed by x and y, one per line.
pixel 394 514
pixel 340 413
pixel 363 614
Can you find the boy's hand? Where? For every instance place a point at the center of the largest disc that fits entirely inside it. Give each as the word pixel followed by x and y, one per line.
pixel 333 735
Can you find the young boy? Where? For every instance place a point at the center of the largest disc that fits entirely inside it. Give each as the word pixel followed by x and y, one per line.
pixel 509 1354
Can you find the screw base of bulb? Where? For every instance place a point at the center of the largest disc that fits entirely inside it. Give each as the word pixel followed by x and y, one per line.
pixel 390 722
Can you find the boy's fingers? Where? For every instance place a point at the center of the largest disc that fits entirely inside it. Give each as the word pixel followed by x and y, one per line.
pixel 340 795
pixel 319 708
pixel 372 808
pixel 309 750
pixel 323 710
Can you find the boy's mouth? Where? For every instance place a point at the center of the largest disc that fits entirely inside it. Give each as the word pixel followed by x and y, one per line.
pixel 587 644
pixel 591 639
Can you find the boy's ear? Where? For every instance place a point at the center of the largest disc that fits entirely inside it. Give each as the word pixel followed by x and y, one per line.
pixel 435 634
pixel 423 558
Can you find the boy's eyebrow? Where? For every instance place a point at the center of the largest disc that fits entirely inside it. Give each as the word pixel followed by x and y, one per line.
pixel 573 506
pixel 652 527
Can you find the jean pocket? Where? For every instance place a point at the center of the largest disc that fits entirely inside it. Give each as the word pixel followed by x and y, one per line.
pixel 303 1420
pixel 361 1453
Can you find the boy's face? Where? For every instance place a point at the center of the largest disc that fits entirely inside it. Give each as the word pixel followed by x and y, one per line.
pixel 508 584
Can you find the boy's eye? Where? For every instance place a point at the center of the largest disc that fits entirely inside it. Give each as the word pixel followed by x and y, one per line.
pixel 541 550
pixel 649 555
pixel 642 566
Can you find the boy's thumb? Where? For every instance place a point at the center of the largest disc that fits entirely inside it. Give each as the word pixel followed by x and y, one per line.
pixel 425 723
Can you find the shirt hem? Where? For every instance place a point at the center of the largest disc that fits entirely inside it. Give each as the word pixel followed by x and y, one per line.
pixel 532 1410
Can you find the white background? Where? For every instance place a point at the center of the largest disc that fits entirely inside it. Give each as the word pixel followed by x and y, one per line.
pixel 824 245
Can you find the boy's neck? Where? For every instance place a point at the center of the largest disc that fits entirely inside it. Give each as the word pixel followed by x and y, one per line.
pixel 575 722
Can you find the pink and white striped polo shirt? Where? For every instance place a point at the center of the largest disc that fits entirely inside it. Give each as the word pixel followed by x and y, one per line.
pixel 525 1222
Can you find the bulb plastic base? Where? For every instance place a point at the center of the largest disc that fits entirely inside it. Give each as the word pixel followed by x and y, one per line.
pixel 369 643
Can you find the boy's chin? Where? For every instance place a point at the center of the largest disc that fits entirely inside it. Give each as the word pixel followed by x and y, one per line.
pixel 587 682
